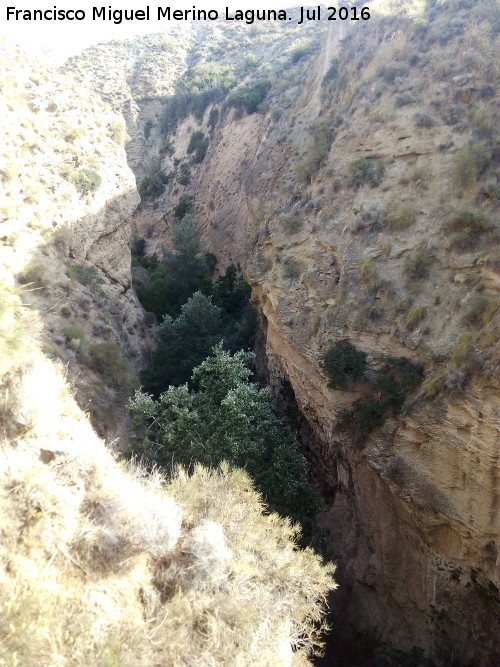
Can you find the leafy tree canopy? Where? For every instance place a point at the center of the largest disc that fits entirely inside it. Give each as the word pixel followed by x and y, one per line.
pixel 226 417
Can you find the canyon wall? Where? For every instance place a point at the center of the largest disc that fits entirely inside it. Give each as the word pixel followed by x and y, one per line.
pixel 339 200
pixel 360 202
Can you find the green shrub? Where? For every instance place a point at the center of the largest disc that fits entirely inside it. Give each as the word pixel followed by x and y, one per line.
pixel 321 133
pixel 343 363
pixel 468 229
pixel 88 276
pixel 415 316
pixel 364 170
pixel 393 380
pixel 251 61
pixel 184 206
pixel 366 413
pixel 33 275
pixel 185 176
pixel 299 53
pixel 213 118
pixel 105 359
pixel 86 180
pixel 198 145
pixel 164 285
pixel 153 185
pixel 72 332
pixel 203 84
pixel 403 371
pixel 227 417
pixel 249 97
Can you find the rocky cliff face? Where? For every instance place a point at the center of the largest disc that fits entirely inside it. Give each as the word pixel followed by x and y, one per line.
pixel 68 194
pixel 360 202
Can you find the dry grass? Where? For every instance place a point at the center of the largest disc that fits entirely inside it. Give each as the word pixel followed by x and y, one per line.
pixel 368 273
pixel 400 218
pixel 15 339
pixel 414 317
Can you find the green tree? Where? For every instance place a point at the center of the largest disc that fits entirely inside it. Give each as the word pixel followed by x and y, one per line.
pixel 167 284
pixel 226 417
pixel 185 263
pixel 184 343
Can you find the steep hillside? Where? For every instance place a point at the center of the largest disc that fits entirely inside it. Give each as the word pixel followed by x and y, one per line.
pixel 67 194
pixel 360 198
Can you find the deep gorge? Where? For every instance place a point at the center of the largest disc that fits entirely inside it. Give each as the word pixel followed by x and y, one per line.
pixel 350 175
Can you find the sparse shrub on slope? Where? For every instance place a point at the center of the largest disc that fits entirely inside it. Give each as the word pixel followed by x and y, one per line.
pixel 183 207
pixel 249 97
pixel 363 170
pixel 469 163
pixel 105 358
pixel 343 363
pixel 198 145
pixel 86 180
pixel 88 276
pixel 153 185
pixel 202 85
pixel 321 132
pixel 468 229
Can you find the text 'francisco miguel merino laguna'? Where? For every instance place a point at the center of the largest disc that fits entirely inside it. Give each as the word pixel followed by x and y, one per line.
pixel 249 16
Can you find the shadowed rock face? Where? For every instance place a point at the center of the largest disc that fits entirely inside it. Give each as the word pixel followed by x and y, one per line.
pixel 353 234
